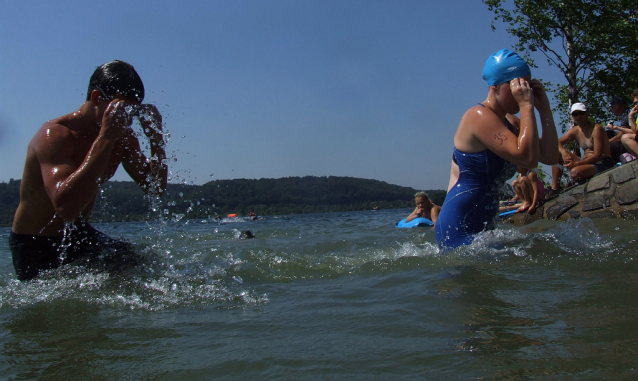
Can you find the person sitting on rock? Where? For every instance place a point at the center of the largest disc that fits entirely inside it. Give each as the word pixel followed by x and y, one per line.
pixel 529 190
pixel 592 139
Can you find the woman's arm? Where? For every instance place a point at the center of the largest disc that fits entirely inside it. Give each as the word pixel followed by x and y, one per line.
pixel 548 142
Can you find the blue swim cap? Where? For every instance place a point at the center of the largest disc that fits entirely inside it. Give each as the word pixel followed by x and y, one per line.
pixel 504 66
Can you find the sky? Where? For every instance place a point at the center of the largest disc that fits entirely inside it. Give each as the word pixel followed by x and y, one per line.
pixel 263 89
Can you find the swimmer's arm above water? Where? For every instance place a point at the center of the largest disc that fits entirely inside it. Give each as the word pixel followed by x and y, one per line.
pixel 72 188
pixel 480 129
pixel 415 213
pixel 151 175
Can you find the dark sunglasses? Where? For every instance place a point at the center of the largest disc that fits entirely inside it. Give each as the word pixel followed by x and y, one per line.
pixel 108 98
pixel 578 113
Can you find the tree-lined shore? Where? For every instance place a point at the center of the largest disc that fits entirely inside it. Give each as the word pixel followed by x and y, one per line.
pixel 124 201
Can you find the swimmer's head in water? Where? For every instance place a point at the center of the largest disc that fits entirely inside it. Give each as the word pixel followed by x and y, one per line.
pixel 504 66
pixel 246 235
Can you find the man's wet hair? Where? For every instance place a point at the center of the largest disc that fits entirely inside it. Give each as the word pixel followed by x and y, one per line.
pixel 116 77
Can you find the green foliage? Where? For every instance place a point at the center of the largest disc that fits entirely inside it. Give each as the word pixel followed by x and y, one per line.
pixel 124 201
pixel 9 200
pixel 121 201
pixel 594 43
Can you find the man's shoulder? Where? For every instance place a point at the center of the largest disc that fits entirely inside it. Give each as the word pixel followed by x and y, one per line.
pixel 53 138
pixel 53 130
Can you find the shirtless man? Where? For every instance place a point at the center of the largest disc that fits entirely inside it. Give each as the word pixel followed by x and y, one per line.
pixel 592 139
pixel 67 161
pixel 425 208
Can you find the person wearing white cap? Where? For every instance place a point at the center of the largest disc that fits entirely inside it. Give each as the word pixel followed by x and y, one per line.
pixel 595 144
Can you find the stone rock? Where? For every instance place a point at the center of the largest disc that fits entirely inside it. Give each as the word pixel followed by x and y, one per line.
pixel 607 213
pixel 595 202
pixel 610 194
pixel 627 193
pixel 623 174
pixel 560 206
pixel 598 182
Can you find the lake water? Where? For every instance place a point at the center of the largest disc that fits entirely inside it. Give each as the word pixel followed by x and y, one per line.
pixel 333 296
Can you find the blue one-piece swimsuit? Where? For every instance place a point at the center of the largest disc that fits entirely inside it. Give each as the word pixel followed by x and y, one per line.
pixel 471 206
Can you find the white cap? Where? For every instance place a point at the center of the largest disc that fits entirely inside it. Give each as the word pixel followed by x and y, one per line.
pixel 579 107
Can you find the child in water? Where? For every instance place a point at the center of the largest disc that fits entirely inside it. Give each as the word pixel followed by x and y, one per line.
pixel 425 208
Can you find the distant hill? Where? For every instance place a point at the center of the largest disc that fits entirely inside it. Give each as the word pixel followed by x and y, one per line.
pixel 124 201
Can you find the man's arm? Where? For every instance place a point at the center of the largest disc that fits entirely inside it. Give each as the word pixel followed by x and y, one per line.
pixel 69 187
pixel 150 174
pixel 616 137
pixel 622 130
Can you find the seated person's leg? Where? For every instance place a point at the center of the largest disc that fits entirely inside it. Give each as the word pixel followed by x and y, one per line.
pixel 539 191
pixel 583 172
pixel 630 143
pixel 526 193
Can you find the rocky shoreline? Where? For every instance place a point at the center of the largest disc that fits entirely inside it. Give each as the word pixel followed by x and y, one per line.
pixel 609 194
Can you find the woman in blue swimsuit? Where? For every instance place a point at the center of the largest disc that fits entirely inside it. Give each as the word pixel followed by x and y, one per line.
pixel 490 143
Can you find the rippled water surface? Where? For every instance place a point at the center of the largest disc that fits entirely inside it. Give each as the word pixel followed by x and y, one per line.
pixel 333 296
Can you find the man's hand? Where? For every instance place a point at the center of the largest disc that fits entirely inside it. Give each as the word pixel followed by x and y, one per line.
pixel 151 121
pixel 115 120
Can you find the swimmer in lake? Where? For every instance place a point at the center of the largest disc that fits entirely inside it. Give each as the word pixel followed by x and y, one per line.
pixel 67 161
pixel 490 143
pixel 425 208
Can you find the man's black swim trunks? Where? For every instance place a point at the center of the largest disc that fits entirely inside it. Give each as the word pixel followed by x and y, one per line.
pixel 34 254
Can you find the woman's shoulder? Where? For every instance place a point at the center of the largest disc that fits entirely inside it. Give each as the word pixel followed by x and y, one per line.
pixel 479 117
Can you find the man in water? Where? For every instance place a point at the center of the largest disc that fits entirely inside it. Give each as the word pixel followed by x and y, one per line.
pixel 69 158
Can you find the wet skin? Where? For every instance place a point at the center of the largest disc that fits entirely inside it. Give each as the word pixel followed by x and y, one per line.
pixel 71 156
